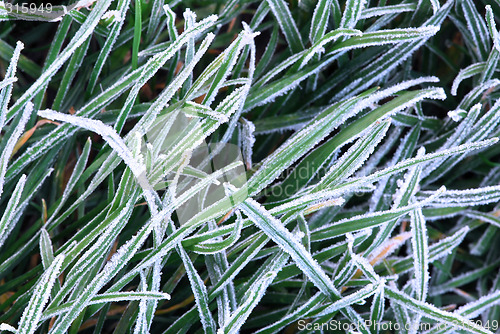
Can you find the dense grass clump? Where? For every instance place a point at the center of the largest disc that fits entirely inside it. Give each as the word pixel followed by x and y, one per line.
pixel 249 166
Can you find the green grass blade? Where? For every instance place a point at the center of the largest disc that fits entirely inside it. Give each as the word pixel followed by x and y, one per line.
pixel 287 24
pixel 33 312
pixel 200 294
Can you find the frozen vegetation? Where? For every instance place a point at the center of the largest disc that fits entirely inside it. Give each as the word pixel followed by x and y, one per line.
pixel 250 166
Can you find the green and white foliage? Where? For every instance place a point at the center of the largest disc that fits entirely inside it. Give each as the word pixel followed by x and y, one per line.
pixel 250 166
